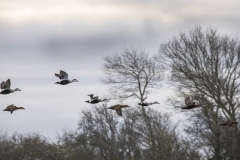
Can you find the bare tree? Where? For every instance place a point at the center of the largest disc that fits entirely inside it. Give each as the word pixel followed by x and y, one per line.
pixel 207 63
pixel 204 130
pixel 27 147
pixel 131 74
pixel 168 144
pixel 102 136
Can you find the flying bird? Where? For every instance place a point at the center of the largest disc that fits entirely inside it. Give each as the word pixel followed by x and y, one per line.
pixel 228 124
pixel 12 108
pixel 94 101
pixel 118 108
pixel 63 76
pixel 6 87
pixel 147 103
pixel 190 104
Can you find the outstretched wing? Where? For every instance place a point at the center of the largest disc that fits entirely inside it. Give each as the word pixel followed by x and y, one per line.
pixel 90 95
pixel 119 111
pixel 3 85
pixel 12 109
pixel 112 107
pixel 92 98
pixel 7 108
pixel 6 85
pixel 59 76
pixel 10 106
pixel 64 74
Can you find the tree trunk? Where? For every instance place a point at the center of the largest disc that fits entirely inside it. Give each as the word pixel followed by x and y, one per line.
pixel 235 144
pixel 146 118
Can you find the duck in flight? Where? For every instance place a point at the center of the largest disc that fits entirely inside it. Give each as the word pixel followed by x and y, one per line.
pixel 12 108
pixel 229 124
pixel 118 108
pixel 190 104
pixel 147 103
pixel 63 76
pixel 94 101
pixel 5 86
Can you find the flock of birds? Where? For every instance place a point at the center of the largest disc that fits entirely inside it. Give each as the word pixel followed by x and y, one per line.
pixel 63 76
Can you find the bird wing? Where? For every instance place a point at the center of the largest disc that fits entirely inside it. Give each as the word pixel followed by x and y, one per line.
pixel 7 109
pixel 187 101
pixel 112 107
pixel 3 85
pixel 59 76
pixel 6 85
pixel 119 111
pixel 64 74
pixel 93 98
pixel 10 106
pixel 234 122
pixel 90 95
pixel 12 109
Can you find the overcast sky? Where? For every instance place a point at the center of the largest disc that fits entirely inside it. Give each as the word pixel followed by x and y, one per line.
pixel 38 38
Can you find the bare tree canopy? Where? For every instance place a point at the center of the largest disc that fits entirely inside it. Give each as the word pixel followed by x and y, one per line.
pixel 131 73
pixel 207 63
pixel 101 136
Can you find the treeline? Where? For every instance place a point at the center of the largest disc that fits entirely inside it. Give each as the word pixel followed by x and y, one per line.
pixel 102 135
pixel 201 64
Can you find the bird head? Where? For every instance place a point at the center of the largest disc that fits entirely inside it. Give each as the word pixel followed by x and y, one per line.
pixel 74 80
pixel 17 89
pixel 105 100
